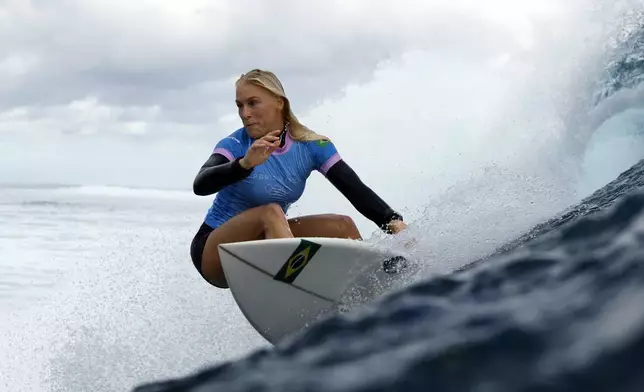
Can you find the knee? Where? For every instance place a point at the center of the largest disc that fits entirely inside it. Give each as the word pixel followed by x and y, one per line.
pixel 272 212
pixel 344 227
pixel 345 222
pixel 342 223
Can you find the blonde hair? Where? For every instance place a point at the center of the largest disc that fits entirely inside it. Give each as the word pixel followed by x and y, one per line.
pixel 270 82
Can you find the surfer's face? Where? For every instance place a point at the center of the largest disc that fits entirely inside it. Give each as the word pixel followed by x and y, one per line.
pixel 259 109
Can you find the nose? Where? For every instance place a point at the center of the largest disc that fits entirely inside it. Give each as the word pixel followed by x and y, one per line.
pixel 245 112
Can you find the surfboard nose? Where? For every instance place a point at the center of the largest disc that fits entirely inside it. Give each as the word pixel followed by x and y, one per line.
pixel 243 245
pixel 224 246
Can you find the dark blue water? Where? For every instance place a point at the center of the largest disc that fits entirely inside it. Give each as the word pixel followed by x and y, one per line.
pixel 558 309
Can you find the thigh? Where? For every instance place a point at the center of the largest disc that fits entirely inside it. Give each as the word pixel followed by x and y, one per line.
pixel 247 226
pixel 324 225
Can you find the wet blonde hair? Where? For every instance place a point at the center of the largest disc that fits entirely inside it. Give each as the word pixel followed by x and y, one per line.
pixel 270 82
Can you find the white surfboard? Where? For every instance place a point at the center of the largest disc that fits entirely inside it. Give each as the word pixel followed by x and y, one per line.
pixel 282 285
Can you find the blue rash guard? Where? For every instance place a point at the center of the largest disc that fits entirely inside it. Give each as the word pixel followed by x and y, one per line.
pixel 280 179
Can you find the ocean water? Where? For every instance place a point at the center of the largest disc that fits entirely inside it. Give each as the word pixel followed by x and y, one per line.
pixel 97 290
pixel 557 307
pixel 529 281
pixel 558 310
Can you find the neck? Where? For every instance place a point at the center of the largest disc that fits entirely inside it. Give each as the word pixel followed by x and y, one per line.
pixel 280 125
pixel 283 135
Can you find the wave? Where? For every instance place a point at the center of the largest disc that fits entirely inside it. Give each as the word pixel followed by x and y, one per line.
pixel 556 308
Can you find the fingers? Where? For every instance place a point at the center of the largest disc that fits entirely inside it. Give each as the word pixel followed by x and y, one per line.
pixel 263 143
pixel 272 136
pixel 266 143
pixel 262 148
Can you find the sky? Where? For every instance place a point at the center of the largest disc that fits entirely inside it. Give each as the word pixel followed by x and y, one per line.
pixel 414 93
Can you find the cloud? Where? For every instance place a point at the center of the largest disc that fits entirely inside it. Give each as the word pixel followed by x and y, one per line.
pixel 181 58
pixel 137 93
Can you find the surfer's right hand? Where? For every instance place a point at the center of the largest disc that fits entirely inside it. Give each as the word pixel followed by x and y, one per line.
pixel 261 150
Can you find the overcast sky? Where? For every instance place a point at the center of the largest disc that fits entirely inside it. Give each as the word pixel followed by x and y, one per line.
pixel 138 93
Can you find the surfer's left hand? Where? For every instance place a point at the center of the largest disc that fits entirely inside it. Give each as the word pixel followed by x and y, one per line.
pixel 396 226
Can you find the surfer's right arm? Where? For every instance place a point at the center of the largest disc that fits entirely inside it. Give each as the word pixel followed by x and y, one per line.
pixel 223 167
pixel 218 171
pixel 230 163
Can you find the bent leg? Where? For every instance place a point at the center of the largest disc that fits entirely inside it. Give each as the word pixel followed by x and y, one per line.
pixel 324 225
pixel 266 221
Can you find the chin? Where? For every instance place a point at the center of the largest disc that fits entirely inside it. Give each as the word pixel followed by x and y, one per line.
pixel 255 132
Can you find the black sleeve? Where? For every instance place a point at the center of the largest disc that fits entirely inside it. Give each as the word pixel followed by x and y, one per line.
pixel 365 200
pixel 217 173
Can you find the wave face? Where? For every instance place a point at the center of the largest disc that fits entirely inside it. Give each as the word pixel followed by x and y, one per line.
pixel 557 309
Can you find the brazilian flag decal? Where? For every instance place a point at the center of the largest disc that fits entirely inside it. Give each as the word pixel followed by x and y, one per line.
pixel 297 261
pixel 323 142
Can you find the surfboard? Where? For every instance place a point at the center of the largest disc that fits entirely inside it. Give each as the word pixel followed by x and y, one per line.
pixel 283 285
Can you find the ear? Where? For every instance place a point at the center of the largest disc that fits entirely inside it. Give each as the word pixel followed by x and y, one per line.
pixel 280 103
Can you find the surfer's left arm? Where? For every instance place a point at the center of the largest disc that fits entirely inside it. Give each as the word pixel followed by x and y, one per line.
pixel 364 199
pixel 344 178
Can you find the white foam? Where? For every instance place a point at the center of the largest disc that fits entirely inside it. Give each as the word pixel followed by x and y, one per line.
pixel 118 191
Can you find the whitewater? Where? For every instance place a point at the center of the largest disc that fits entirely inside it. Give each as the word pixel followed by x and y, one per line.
pixel 530 187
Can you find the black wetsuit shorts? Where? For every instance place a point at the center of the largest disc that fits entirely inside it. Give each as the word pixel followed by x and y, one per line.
pixel 198 244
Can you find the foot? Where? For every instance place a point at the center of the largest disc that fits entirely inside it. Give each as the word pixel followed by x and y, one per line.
pixel 394 265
